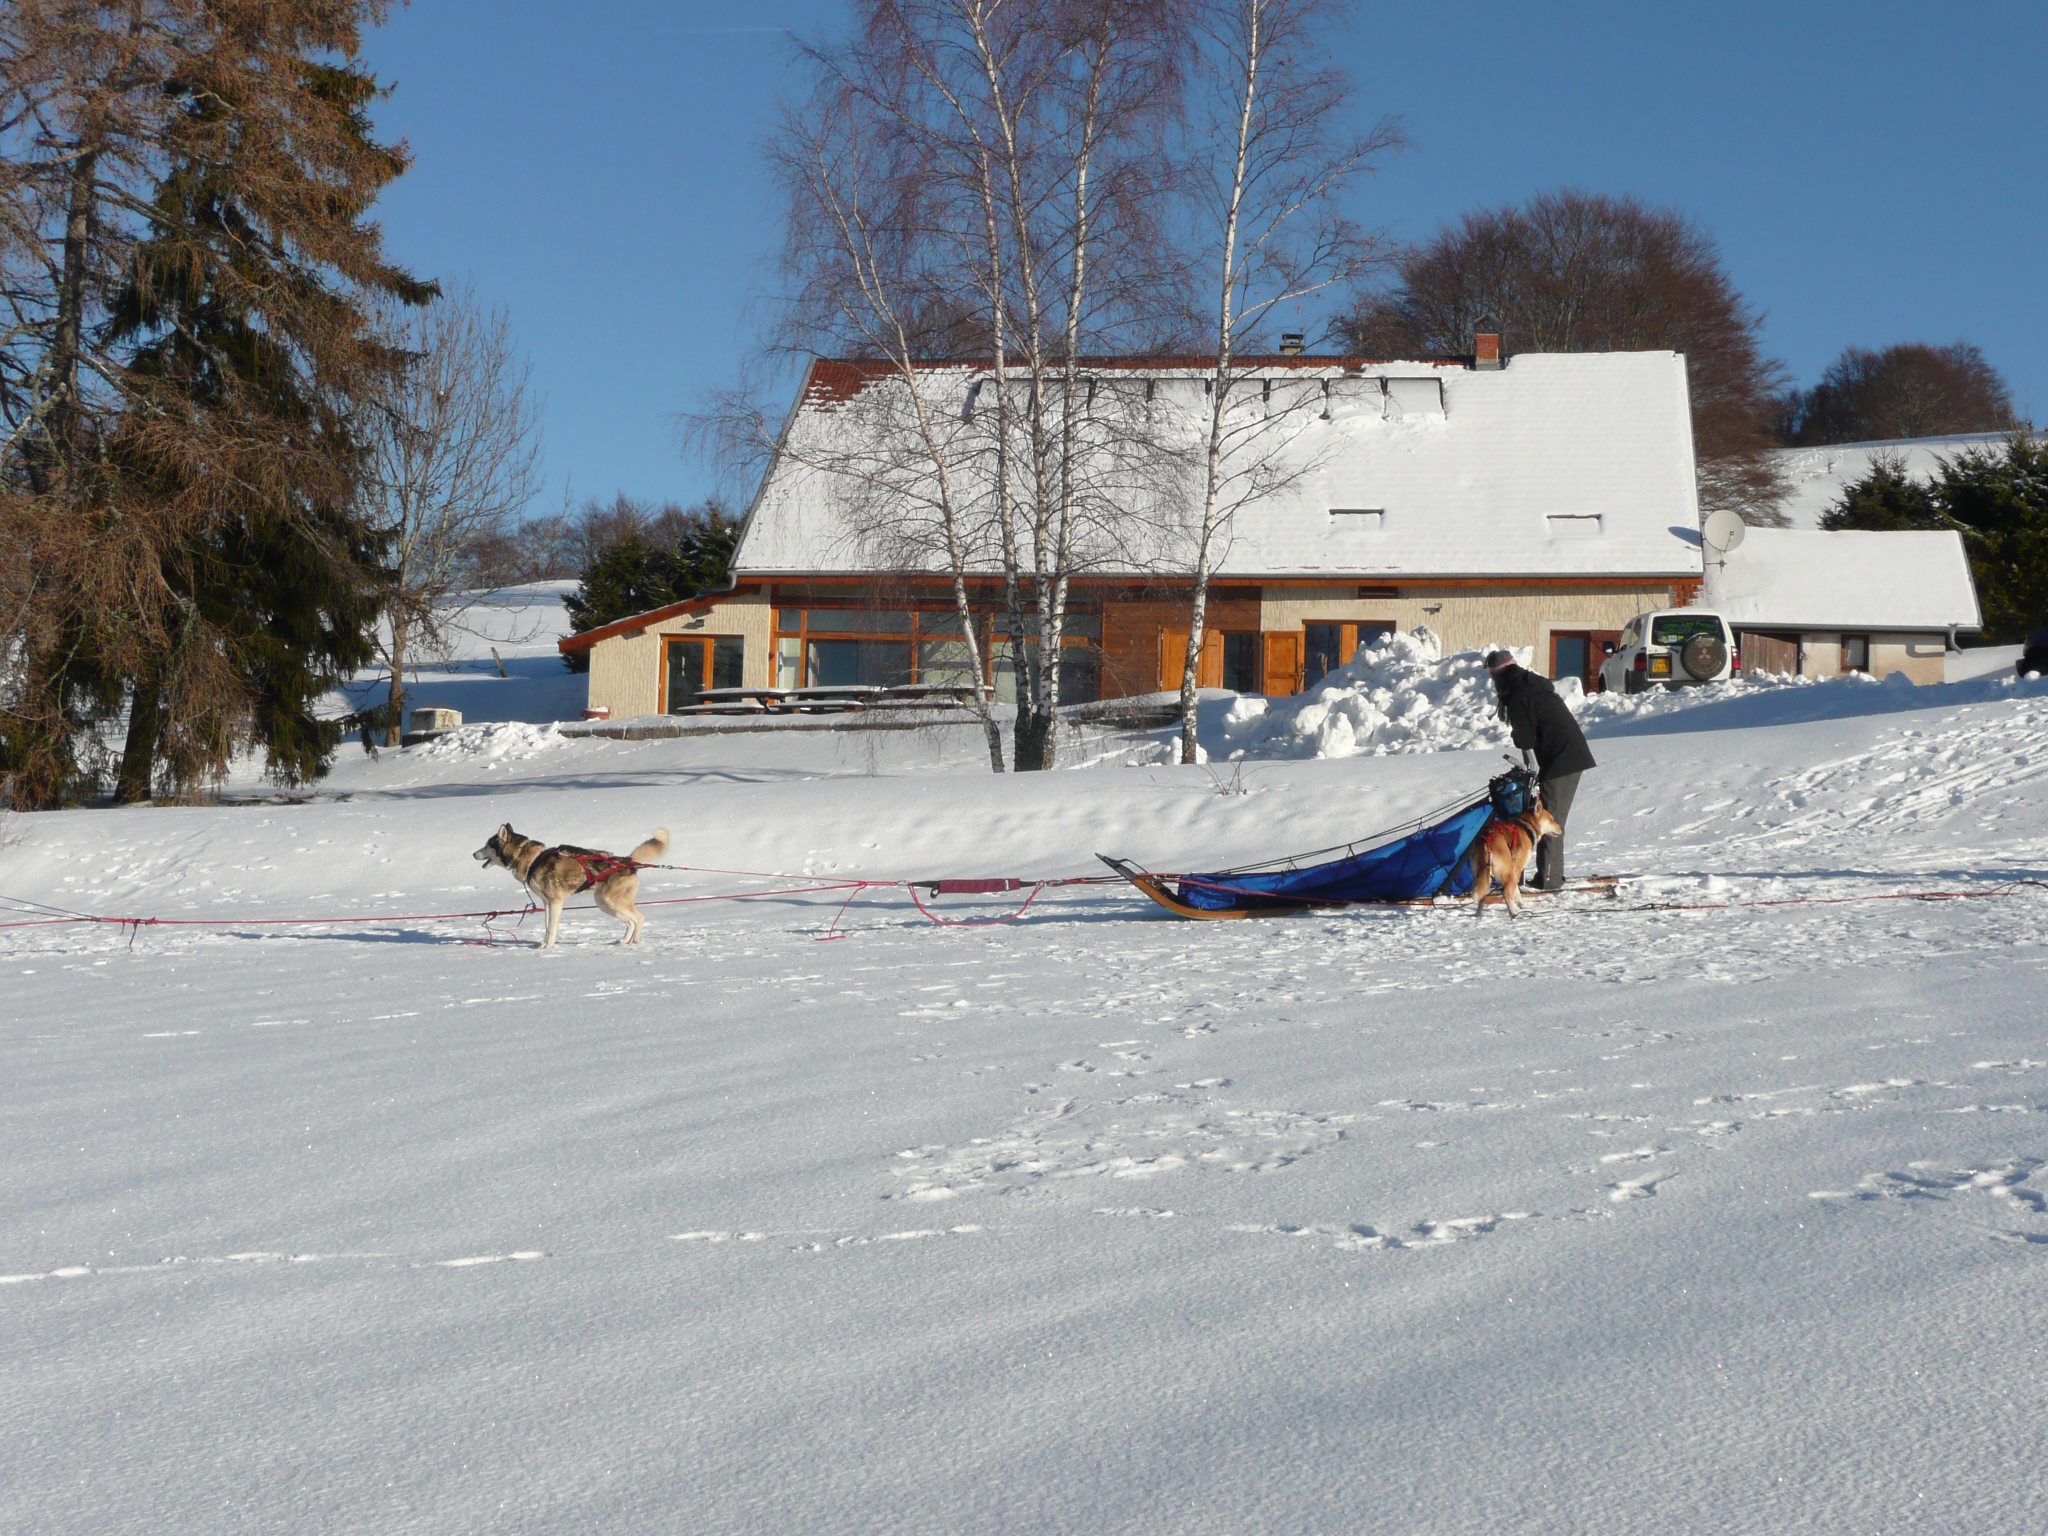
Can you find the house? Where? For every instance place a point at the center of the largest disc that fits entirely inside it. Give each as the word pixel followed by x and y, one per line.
pixel 1818 604
pixel 1537 503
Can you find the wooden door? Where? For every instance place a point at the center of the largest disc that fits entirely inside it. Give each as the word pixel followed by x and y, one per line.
pixel 1281 663
pixel 1173 659
pixel 1769 653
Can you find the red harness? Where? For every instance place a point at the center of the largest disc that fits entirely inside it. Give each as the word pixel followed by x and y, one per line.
pixel 1508 827
pixel 597 867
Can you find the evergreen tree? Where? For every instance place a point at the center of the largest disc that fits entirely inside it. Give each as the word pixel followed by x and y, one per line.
pixel 1996 498
pixel 635 572
pixel 2000 497
pixel 1886 497
pixel 183 496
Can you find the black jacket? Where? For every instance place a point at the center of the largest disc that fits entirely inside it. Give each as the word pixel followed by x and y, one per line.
pixel 1541 722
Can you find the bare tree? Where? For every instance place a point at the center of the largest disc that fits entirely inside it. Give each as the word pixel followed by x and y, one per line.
pixel 453 448
pixel 1908 390
pixel 981 175
pixel 1276 158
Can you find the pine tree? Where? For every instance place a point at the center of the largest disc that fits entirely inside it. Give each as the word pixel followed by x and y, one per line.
pixel 2000 497
pixel 636 573
pixel 184 495
pixel 1996 498
pixel 1885 498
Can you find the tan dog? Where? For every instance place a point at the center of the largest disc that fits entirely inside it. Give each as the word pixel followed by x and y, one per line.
pixel 555 874
pixel 1502 853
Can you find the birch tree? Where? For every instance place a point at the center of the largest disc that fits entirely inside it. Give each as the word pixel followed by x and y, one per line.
pixel 1274 156
pixel 983 171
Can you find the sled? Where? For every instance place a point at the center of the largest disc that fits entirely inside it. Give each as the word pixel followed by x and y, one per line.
pixel 1410 865
pixel 1158 888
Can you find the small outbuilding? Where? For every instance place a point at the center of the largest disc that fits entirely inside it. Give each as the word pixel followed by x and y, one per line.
pixel 1818 604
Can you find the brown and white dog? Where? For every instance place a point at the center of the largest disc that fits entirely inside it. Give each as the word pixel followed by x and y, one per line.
pixel 1502 853
pixel 555 874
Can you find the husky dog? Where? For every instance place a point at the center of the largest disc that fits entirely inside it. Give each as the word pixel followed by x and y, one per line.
pixel 555 874
pixel 1503 851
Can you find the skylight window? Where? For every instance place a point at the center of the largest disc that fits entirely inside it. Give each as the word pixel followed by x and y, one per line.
pixel 1574 525
pixel 1370 519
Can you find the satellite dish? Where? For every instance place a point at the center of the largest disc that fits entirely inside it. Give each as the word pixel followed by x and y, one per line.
pixel 1723 531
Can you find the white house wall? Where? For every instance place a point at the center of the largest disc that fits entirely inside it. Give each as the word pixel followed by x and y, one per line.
pixel 626 670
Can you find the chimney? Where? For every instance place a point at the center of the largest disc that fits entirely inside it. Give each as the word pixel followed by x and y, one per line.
pixel 1486 349
pixel 1292 343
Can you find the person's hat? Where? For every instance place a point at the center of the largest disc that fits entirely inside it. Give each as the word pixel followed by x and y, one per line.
pixel 1495 660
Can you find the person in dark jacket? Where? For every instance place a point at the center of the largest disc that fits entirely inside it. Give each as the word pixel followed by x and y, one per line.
pixel 1543 726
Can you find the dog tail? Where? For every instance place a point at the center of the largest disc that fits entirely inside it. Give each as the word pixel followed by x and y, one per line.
pixel 653 848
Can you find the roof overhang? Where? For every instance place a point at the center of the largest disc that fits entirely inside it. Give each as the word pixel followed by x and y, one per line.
pixel 634 623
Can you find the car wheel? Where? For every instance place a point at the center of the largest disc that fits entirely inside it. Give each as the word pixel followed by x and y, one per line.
pixel 1703 657
pixel 1630 683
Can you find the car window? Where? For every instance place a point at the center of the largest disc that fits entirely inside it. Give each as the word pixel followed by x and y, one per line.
pixel 1628 636
pixel 1678 628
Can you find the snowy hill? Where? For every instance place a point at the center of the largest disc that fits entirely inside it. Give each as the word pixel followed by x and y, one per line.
pixel 513 626
pixel 1818 476
pixel 1718 1204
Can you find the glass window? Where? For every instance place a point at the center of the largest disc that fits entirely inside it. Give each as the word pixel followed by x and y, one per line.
pixel 685 673
pixel 858 663
pixel 1241 662
pixel 697 663
pixel 939 621
pixel 945 663
pixel 1371 634
pixel 728 661
pixel 1570 655
pixel 858 621
pixel 1676 629
pixel 1322 647
pixel 1080 674
pixel 789 620
pixel 1855 653
pixel 1005 680
pixel 788 655
pixel 1077 626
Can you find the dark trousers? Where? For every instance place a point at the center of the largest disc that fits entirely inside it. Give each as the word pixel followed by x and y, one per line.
pixel 1557 799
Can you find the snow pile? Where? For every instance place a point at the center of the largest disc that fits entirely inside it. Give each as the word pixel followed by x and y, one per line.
pixel 1400 695
pixel 505 741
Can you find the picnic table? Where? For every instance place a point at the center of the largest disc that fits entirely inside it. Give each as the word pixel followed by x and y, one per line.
pixel 828 699
pixel 924 696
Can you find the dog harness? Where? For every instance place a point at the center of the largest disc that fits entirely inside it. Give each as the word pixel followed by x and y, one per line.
pixel 1509 825
pixel 597 867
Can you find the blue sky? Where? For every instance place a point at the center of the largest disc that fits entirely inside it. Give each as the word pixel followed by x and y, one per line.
pixel 1871 172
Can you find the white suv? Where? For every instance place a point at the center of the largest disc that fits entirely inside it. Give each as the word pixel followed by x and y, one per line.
pixel 1674 648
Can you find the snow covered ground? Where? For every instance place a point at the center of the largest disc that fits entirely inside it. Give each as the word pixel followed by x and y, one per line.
pixel 1652 1213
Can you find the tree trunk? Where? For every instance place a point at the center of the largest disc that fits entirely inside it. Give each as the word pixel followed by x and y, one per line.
pixel 394 726
pixel 145 732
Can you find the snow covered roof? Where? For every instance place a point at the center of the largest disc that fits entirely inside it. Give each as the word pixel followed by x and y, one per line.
pixel 1802 578
pixel 1554 465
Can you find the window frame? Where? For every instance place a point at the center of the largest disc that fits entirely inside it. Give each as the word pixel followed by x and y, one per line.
pixel 990 631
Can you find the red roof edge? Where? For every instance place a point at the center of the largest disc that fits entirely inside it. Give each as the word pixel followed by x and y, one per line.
pixel 632 623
